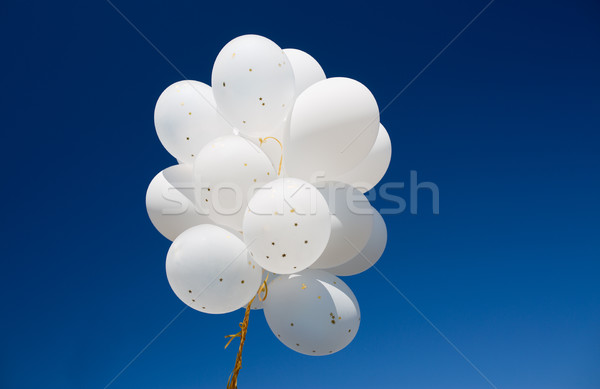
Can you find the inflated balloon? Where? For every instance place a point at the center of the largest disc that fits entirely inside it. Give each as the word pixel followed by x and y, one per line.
pixel 307 70
pixel 210 270
pixel 253 84
pixel 313 312
pixel 351 224
pixel 370 254
pixel 186 118
pixel 372 169
pixel 227 170
pixel 333 126
pixel 287 225
pixel 170 201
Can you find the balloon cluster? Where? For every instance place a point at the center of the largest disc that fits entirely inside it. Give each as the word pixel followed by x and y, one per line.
pixel 273 163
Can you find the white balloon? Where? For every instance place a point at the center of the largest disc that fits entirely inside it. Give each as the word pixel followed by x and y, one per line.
pixel 186 118
pixel 227 171
pixel 287 225
pixel 313 312
pixel 333 126
pixel 370 254
pixel 253 84
pixel 209 269
pixel 307 70
pixel 372 169
pixel 170 201
pixel 351 224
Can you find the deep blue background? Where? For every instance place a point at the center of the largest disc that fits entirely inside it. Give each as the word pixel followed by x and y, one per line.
pixel 505 122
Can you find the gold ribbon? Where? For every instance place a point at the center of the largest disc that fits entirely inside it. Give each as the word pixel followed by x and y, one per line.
pixel 232 382
pixel 262 140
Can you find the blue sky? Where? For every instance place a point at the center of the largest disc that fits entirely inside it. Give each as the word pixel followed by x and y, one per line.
pixel 505 122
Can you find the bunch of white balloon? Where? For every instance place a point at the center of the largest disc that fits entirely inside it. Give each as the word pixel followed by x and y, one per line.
pixel 273 163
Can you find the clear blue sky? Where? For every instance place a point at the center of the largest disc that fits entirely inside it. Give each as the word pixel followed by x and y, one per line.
pixel 505 122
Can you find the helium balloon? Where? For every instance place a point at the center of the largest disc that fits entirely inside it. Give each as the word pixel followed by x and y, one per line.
pixel 307 70
pixel 227 170
pixel 351 224
pixel 253 84
pixel 372 169
pixel 370 254
pixel 287 225
pixel 333 126
pixel 312 312
pixel 209 269
pixel 186 118
pixel 170 201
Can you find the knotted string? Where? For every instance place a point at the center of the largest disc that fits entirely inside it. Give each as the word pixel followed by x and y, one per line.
pixel 262 140
pixel 232 382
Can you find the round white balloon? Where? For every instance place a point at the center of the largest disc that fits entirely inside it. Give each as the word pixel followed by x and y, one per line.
pixel 186 118
pixel 370 254
pixel 253 84
pixel 209 269
pixel 313 312
pixel 227 171
pixel 371 170
pixel 333 126
pixel 307 70
pixel 351 224
pixel 170 201
pixel 287 225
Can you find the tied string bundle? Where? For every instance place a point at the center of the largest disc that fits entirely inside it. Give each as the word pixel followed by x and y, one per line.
pixel 263 140
pixel 262 295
